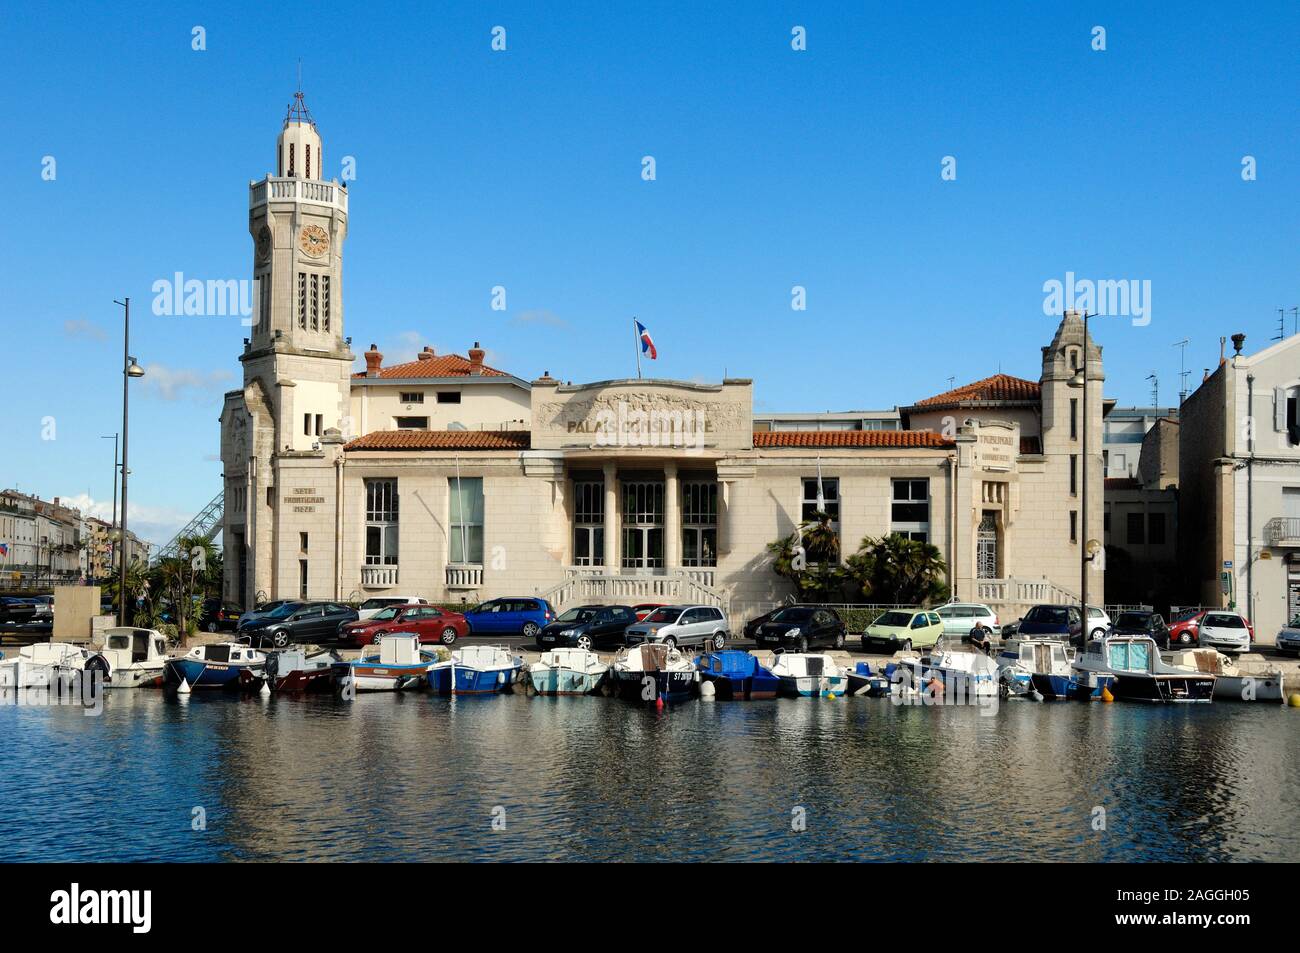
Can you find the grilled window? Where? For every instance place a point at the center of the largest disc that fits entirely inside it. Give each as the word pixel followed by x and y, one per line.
pixel 588 523
pixel 381 522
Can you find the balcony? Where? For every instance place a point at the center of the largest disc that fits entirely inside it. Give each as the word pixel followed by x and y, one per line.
pixel 293 189
pixel 1283 531
pixel 464 576
pixel 378 577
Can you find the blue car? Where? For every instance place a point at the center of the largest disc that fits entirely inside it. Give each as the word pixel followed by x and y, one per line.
pixel 509 616
pixel 1061 622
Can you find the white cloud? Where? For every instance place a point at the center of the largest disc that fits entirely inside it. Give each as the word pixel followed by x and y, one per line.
pixel 87 330
pixel 542 316
pixel 156 524
pixel 168 383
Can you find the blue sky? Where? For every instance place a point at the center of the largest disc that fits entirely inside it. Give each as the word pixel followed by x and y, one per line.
pixel 522 168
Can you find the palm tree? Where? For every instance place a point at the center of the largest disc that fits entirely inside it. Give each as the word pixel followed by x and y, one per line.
pixel 896 569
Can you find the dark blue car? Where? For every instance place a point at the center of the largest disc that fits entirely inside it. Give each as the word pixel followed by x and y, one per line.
pixel 1061 622
pixel 525 616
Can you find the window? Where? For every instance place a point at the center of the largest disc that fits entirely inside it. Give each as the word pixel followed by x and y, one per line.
pixel 1074 418
pixel 1074 474
pixel 291 158
pixel 325 302
pixel 700 523
pixel 1074 526
pixel 411 397
pixel 1293 419
pixel 306 425
pixel 411 423
pixel 302 298
pixel 264 303
pixel 588 523
pixel 910 509
pixel 830 500
pixel 302 542
pixel 302 578
pixel 307 149
pixel 315 302
pixel 449 397
pixel 643 525
pixel 320 421
pixel 466 519
pixel 1136 536
pixel 1156 529
pixel 381 522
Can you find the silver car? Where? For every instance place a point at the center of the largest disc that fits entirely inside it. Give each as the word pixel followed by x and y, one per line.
pixel 959 618
pixel 704 626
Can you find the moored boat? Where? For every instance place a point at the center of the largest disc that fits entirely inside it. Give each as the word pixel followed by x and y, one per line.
pixel 861 680
pixel 653 671
pixel 1031 665
pixel 1130 668
pixel 294 670
pixel 393 663
pixel 217 665
pixel 1230 682
pixel 964 674
pixel 737 675
pixel 131 657
pixel 567 671
pixel 809 674
pixel 43 665
pixel 476 670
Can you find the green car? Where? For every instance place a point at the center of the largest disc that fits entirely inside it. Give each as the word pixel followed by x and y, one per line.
pixel 903 629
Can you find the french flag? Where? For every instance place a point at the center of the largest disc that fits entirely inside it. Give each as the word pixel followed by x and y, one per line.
pixel 647 342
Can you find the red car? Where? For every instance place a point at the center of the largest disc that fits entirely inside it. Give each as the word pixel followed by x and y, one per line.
pixel 430 623
pixel 1182 633
pixel 645 608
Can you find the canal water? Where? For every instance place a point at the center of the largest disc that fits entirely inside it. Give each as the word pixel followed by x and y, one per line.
pixel 415 777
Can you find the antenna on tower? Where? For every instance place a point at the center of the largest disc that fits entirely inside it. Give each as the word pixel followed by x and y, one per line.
pixel 1155 389
pixel 1182 370
pixel 1281 324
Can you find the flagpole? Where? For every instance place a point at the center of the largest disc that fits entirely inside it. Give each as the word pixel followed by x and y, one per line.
pixel 637 337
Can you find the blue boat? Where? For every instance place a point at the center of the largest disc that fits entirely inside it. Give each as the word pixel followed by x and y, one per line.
pixel 476 670
pixel 863 681
pixel 737 675
pixel 212 666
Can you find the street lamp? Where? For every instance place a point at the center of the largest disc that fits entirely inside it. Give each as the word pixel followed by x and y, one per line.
pixel 130 369
pixel 1088 548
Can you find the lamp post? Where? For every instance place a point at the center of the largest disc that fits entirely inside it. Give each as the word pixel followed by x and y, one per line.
pixel 130 369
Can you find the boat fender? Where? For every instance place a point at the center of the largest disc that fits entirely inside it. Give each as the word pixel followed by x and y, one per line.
pixel 1294 700
pixel 707 690
pixel 184 688
pixel 266 688
pixel 1106 696
pixel 1035 695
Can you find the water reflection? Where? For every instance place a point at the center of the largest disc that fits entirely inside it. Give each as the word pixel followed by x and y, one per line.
pixel 420 777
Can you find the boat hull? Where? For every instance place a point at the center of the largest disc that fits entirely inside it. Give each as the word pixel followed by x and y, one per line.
pixel 1164 689
pixel 1258 688
pixel 471 681
pixel 133 677
pixel 668 686
pixel 812 686
pixel 564 681
pixel 373 677
pixel 743 687
pixel 299 681
pixel 201 674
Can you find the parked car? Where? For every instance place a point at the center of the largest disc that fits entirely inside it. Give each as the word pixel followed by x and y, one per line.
pixel 751 628
pixel 704 626
pixel 262 611
pixel 960 619
pixel 1061 622
pixel 1226 631
pixel 372 606
pixel 301 622
pixel 903 630
pixel 217 615
pixel 1183 631
pixel 510 616
pixel 1099 622
pixel 14 611
pixel 799 628
pixel 430 623
pixel 44 606
pixel 1288 639
pixel 643 609
pixel 588 627
pixel 1150 624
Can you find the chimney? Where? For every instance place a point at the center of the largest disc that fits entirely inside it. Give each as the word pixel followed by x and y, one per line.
pixel 373 361
pixel 476 359
pixel 427 354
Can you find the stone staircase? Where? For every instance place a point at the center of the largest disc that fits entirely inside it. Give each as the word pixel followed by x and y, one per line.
pixel 677 588
pixel 1012 597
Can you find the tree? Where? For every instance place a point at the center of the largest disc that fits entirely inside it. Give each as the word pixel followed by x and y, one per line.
pixel 810 558
pixel 895 569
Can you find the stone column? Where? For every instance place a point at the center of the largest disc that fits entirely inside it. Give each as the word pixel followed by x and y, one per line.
pixel 612 521
pixel 672 519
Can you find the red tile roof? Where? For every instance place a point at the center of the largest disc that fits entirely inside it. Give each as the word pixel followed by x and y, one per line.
pixel 998 387
pixel 442 440
pixel 850 438
pixel 443 365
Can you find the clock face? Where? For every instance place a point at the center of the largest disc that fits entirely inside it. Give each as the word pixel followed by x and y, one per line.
pixel 314 240
pixel 264 244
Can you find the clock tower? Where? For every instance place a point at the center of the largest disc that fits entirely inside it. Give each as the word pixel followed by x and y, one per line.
pixel 283 432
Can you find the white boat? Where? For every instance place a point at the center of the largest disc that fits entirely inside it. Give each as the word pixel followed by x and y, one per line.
pixel 1131 669
pixel 964 674
pixel 131 657
pixel 476 670
pixel 43 665
pixel 1231 683
pixel 1028 666
pixel 394 663
pixel 567 671
pixel 653 671
pixel 809 674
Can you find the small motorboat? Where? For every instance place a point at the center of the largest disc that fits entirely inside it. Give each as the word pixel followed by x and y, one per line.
pixel 964 674
pixel 294 670
pixel 394 663
pixel 653 671
pixel 567 671
pixel 131 658
pixel 476 670
pixel 1029 666
pixel 862 680
pixel 43 665
pixel 809 675
pixel 217 665
pixel 1130 668
pixel 737 676
pixel 1230 682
